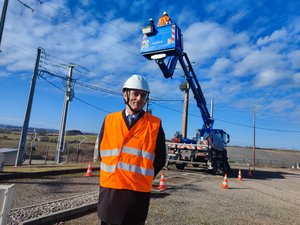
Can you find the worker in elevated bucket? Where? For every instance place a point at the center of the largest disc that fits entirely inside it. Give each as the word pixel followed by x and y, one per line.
pixel 132 152
pixel 151 23
pixel 164 20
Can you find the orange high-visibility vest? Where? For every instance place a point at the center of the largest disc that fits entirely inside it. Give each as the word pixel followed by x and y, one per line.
pixel 163 21
pixel 127 155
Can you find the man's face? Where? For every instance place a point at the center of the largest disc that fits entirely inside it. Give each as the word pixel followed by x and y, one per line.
pixel 137 99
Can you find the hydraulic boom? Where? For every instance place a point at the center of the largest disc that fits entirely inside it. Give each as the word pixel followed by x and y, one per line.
pixel 165 46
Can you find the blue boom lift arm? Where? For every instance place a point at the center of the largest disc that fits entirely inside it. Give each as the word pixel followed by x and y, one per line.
pixel 165 43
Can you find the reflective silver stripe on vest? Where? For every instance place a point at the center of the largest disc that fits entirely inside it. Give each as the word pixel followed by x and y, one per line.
pixel 107 168
pixel 141 153
pixel 136 169
pixel 113 152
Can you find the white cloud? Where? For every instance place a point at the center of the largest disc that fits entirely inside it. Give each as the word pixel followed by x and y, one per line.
pixel 257 61
pixel 206 40
pixel 280 105
pixel 233 62
pixel 294 58
pixel 278 35
pixel 267 77
pixel 221 65
pixel 240 52
pixel 296 78
pixel 105 48
pixel 236 18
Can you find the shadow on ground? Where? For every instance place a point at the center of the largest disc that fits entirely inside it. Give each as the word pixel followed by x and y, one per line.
pixel 261 174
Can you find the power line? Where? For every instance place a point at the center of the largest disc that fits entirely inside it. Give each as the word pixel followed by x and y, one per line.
pixel 26 47
pixel 79 99
pixel 101 30
pixel 166 100
pixel 25 51
pixel 168 108
pixel 100 15
pixel 52 83
pixel 27 6
pixel 171 109
pixel 233 123
pixel 103 89
pixel 153 100
pixel 162 106
pixel 49 73
pixel 260 128
pixel 83 84
pixel 98 88
pixel 96 107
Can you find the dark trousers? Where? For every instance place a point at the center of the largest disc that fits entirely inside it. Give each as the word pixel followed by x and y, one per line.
pixel 103 223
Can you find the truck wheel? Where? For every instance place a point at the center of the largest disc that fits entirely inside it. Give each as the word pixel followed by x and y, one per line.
pixel 180 166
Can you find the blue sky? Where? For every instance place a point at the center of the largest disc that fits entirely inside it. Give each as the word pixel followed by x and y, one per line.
pixel 245 53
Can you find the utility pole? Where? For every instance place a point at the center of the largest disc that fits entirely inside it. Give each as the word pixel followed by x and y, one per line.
pixel 254 117
pixel 22 142
pixel 3 15
pixel 185 87
pixel 68 97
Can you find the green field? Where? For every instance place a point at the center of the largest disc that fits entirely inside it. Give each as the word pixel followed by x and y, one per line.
pixel 77 147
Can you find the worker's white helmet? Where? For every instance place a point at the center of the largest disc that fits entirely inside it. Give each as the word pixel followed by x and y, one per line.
pixel 165 13
pixel 151 19
pixel 136 82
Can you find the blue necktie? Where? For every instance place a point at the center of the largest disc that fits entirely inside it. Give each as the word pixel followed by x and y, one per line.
pixel 130 119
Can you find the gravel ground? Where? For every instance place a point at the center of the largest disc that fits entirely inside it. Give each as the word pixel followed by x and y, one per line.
pixel 273 198
pixel 59 209
pixel 35 191
pixel 193 197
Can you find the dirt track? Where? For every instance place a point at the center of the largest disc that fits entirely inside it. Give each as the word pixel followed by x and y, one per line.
pixel 271 196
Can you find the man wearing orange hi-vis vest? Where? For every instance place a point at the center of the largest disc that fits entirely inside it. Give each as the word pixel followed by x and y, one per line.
pixel 132 152
pixel 164 20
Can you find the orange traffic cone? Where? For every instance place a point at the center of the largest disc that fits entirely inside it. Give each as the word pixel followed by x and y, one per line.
pixel 89 171
pixel 225 184
pixel 249 173
pixel 162 185
pixel 240 175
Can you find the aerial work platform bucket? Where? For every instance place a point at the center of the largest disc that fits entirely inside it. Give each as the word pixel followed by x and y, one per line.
pixel 166 40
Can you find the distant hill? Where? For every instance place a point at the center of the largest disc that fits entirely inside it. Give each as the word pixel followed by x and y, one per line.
pixel 30 129
pixel 7 127
pixel 74 132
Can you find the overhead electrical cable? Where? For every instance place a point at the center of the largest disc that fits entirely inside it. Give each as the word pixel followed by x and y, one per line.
pixel 70 26
pixel 152 100
pixel 96 28
pixel 172 109
pixel 79 99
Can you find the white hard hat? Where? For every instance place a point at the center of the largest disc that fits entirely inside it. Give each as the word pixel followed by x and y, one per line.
pixel 165 13
pixel 136 82
pixel 151 19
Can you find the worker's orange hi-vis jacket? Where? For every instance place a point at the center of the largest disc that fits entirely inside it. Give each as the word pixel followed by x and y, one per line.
pixel 127 155
pixel 164 20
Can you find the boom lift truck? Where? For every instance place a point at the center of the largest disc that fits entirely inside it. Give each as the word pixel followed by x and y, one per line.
pixel 208 148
